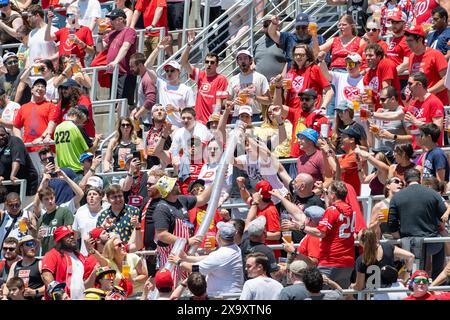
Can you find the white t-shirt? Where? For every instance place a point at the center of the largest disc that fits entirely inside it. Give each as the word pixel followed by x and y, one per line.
pixel 39 48
pixel 10 112
pixel 208 173
pixel 180 96
pixel 346 86
pixel 392 295
pixel 258 170
pixel 255 82
pixel 76 283
pixel 51 92
pixel 223 269
pixel 181 138
pixel 88 9
pixel 84 222
pixel 261 288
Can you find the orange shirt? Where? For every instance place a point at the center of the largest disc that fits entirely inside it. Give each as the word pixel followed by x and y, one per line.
pixel 349 167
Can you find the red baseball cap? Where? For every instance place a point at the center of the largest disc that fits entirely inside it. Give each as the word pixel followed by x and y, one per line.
pixel 61 232
pixel 95 233
pixel 396 15
pixel 417 30
pixel 265 187
pixel 163 279
pixel 419 273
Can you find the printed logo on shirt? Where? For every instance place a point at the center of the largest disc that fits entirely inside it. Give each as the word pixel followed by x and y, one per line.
pixel 391 46
pixel 7 152
pixel 297 83
pixel 208 174
pixel 25 276
pixel 416 67
pixel 374 84
pixel 421 8
pixel 351 92
pixel 206 87
pixel 54 222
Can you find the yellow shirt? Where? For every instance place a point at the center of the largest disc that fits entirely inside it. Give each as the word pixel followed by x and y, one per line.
pixel 267 130
pixel 132 260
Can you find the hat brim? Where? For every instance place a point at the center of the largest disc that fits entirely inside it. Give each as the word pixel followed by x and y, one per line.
pixel 306 136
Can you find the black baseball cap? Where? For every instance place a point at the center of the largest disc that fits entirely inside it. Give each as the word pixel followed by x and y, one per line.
pixel 116 13
pixel 308 92
pixel 193 183
pixel 351 132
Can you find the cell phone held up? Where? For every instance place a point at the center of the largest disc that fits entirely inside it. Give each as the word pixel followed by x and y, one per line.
pixel 51 160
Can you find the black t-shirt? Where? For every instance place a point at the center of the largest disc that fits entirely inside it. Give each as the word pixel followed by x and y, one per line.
pixel 142 191
pixel 166 212
pixel 304 203
pixel 149 234
pixel 15 151
pixel 386 260
pixel 247 246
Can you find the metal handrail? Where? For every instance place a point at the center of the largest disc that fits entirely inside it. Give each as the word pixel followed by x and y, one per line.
pixel 114 83
pixel 23 187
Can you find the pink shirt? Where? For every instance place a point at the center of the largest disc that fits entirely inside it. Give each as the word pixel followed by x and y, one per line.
pixel 312 165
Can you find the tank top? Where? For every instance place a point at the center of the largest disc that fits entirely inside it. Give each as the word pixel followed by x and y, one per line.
pixel 120 152
pixel 339 52
pixel 29 274
pixel 5 37
pixel 376 187
pixel 400 171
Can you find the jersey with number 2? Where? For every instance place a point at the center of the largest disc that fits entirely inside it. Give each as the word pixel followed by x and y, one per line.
pixel 337 247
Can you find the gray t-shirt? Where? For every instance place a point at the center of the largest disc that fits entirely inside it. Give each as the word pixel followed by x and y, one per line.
pixel 261 289
pixel 294 292
pixel 269 58
pixel 395 127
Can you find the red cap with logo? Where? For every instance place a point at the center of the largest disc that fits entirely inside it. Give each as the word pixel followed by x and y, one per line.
pixel 417 30
pixel 95 233
pixel 163 279
pixel 264 187
pixel 396 15
pixel 419 273
pixel 61 232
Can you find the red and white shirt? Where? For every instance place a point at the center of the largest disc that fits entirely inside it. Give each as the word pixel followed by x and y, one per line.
pixel 337 247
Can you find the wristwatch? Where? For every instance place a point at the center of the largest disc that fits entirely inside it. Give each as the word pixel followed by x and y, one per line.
pixel 395 137
pixel 36 292
pixel 302 228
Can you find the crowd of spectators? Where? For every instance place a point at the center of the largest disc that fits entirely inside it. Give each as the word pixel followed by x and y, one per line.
pixel 319 122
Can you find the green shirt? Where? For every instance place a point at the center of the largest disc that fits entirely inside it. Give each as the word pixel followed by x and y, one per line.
pixel 70 144
pixel 49 222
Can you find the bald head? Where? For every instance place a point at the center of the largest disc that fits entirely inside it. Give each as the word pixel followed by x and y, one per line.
pixel 304 183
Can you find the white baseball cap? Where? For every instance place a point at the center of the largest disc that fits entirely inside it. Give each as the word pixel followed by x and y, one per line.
pixel 356 58
pixel 95 182
pixel 173 64
pixel 245 109
pixel 246 52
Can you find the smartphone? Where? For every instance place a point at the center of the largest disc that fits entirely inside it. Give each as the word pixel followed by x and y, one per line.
pixel 324 130
pixel 51 159
pixel 51 8
pixel 195 268
pixel 137 154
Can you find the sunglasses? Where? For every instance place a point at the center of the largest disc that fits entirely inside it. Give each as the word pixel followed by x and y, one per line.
pixel 196 143
pixel 169 70
pixel 372 30
pixel 350 64
pixel 396 181
pixel 109 276
pixel 30 243
pixel 300 55
pixel 210 62
pixel 421 280
pixel 301 27
pixel 3 6
pixel 213 149
pixel 9 249
pixel 119 196
pixel 12 62
pixel 125 125
pixel 383 99
pixel 119 245
pixel 69 15
pixel 15 205
pixel 149 184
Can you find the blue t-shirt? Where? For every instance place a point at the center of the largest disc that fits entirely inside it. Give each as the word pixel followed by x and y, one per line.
pixel 288 40
pixel 62 189
pixel 439 41
pixel 434 161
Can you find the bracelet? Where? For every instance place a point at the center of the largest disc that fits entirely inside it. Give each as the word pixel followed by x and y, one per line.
pixel 302 228
pixel 92 170
pixel 179 262
pixel 254 203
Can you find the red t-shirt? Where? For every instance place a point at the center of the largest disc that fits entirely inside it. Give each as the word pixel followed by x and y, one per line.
pixel 309 246
pixel 382 43
pixel 425 111
pixel 65 47
pixel 34 118
pixel 114 41
pixel 194 172
pixel 300 121
pixel 337 247
pixel 422 10
pixel 427 296
pixel 209 89
pixel 85 101
pixel 339 52
pixel 61 267
pixel 148 8
pixel 272 220
pixel 398 49
pixel 386 70
pixel 349 166
pixel 312 165
pixel 308 78
pixel 431 62
pixel 196 216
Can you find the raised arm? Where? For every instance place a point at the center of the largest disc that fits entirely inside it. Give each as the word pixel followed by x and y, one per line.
pixel 150 62
pixel 274 34
pixel 185 56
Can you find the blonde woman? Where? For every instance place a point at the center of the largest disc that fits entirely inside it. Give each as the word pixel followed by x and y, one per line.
pixel 127 265
pixel 124 142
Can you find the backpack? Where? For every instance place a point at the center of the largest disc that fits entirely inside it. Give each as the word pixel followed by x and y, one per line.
pixel 358 11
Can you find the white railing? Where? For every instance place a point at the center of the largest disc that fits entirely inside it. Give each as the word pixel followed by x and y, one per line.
pixel 23 187
pixel 114 83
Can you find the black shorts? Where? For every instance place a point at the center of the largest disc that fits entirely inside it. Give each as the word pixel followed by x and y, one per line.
pixel 175 15
pixel 125 88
